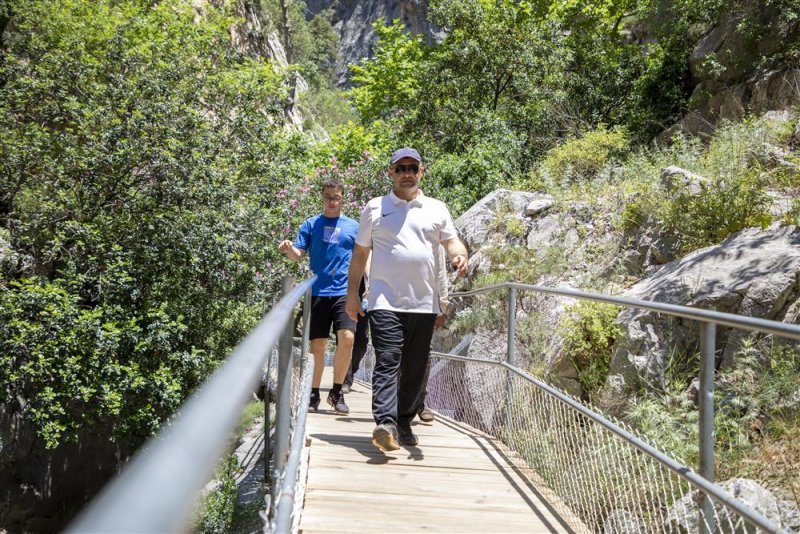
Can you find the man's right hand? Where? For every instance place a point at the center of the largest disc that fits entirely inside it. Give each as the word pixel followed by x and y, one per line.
pixel 285 246
pixel 353 307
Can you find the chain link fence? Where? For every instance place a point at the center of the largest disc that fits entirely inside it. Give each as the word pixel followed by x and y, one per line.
pixel 607 479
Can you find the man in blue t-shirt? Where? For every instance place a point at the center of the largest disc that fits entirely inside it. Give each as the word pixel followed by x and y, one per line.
pixel 328 239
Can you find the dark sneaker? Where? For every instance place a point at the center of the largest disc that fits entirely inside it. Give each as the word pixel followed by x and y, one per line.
pixel 385 437
pixel 313 403
pixel 338 404
pixel 406 437
pixel 425 415
pixel 346 388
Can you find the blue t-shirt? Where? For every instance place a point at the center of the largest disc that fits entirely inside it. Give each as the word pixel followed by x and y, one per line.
pixel 329 243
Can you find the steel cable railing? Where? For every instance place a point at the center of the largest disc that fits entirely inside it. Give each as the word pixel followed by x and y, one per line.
pixel 606 478
pixel 158 488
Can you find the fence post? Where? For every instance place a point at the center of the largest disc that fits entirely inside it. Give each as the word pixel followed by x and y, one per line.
pixel 511 357
pixel 282 408
pixel 267 445
pixel 708 333
pixel 306 328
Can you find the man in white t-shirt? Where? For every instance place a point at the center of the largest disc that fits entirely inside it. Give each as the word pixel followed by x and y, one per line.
pixel 403 230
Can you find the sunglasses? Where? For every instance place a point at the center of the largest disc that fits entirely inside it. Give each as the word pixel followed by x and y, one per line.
pixel 400 169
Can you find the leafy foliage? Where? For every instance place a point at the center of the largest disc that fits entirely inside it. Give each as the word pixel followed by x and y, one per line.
pixel 220 506
pixel 140 154
pixel 584 157
pixel 388 83
pixel 589 331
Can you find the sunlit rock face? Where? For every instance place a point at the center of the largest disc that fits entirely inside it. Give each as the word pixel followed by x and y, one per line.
pixel 741 80
pixel 353 20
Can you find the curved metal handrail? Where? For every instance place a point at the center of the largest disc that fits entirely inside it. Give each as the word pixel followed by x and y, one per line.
pixel 156 490
pixel 708 319
pixel 687 312
pixel 676 467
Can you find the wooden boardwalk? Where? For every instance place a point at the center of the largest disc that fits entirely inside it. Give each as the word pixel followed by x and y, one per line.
pixel 455 480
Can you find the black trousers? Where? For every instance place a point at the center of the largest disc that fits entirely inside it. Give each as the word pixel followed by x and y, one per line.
pixel 359 345
pixel 402 342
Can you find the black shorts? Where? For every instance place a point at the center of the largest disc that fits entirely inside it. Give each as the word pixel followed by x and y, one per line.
pixel 326 311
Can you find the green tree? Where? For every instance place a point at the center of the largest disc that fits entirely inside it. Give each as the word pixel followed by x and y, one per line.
pixel 139 159
pixel 388 84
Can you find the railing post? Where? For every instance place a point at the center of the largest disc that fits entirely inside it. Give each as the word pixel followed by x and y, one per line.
pixel 511 356
pixel 282 408
pixel 267 445
pixel 708 333
pixel 306 328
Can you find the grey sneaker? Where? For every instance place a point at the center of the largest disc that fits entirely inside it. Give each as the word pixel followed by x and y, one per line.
pixel 346 388
pixel 406 437
pixel 385 437
pixel 337 403
pixel 425 415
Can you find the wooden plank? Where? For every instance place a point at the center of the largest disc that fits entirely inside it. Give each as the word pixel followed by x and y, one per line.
pixel 455 480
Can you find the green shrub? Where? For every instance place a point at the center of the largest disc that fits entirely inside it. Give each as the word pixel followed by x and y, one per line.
pixel 218 508
pixel 721 208
pixel 140 155
pixel 75 367
pixel 589 331
pixel 581 159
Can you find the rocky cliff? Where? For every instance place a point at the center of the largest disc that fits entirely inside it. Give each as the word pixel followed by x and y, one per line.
pixel 353 20
pixel 747 62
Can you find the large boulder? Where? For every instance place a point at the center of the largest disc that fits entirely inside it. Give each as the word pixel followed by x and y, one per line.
pixel 481 387
pixel 684 515
pixel 754 273
pixel 478 222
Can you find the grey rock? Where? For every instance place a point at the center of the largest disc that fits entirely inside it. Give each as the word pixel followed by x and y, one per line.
pixel 485 384
pixel 479 263
pixel 571 238
pixel 684 515
pixel 474 224
pixel 777 90
pixel 754 272
pixel 630 261
pixel 623 522
pixel 780 204
pixel 539 205
pixel 677 180
pixel 773 91
pixel 352 20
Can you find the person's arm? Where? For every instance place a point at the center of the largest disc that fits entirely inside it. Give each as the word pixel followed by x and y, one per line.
pixel 457 253
pixel 292 252
pixel 295 251
pixel 358 265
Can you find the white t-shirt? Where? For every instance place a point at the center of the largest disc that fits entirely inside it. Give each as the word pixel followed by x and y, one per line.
pixel 404 238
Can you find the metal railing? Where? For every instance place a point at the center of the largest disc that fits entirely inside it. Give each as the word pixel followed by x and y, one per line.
pixel 603 477
pixel 601 472
pixel 157 490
